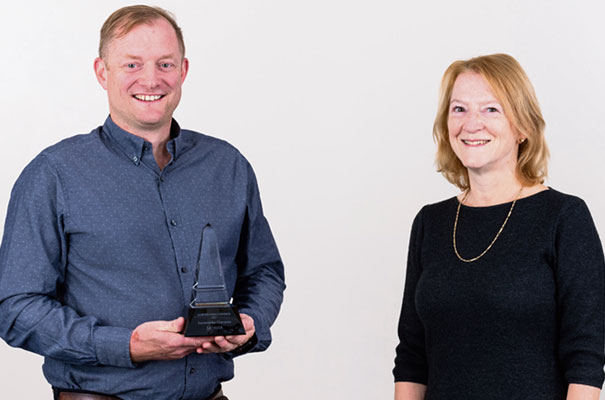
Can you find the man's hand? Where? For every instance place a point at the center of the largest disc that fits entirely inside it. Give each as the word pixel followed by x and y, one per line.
pixel 222 344
pixel 163 340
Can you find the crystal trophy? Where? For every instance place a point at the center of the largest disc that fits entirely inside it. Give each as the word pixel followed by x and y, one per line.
pixel 210 313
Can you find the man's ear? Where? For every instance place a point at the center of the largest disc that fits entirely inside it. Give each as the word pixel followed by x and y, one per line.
pixel 184 69
pixel 101 72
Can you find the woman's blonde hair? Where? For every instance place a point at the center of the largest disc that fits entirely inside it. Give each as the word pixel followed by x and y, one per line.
pixel 514 91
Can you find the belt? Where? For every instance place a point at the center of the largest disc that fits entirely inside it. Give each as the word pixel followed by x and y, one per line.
pixel 61 395
pixel 71 395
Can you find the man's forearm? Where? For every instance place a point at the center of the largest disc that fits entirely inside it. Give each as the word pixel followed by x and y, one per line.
pixel 42 325
pixel 260 296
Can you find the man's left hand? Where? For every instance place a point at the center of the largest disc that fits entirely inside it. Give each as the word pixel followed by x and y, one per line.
pixel 223 344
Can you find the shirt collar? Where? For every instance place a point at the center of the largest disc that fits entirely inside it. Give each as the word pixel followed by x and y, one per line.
pixel 133 145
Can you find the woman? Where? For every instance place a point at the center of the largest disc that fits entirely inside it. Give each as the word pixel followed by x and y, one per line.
pixel 504 294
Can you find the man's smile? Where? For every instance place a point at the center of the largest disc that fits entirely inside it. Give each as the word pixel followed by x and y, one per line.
pixel 146 97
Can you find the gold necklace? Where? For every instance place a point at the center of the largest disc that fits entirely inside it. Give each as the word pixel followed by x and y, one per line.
pixel 495 238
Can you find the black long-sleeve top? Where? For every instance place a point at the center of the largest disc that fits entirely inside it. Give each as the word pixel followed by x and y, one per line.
pixel 522 322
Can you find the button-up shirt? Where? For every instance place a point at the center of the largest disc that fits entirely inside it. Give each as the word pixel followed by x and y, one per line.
pixel 98 240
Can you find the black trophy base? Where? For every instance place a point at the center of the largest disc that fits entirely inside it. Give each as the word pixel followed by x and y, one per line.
pixel 214 320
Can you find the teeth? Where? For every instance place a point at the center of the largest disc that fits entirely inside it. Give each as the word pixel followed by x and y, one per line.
pixel 475 142
pixel 147 98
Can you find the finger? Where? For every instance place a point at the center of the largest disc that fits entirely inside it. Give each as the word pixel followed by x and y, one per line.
pixel 238 339
pixel 248 323
pixel 224 343
pixel 195 342
pixel 210 347
pixel 182 353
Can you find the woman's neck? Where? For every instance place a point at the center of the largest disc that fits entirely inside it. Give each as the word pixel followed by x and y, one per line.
pixel 492 188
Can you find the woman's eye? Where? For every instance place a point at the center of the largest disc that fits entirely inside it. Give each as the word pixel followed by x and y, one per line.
pixel 457 109
pixel 492 109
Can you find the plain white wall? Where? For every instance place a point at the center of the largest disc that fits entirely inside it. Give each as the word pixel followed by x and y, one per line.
pixel 333 102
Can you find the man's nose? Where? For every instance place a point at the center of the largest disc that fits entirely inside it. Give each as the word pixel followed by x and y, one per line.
pixel 150 76
pixel 473 122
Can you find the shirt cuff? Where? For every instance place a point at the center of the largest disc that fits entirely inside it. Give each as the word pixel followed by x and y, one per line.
pixel 112 345
pixel 262 331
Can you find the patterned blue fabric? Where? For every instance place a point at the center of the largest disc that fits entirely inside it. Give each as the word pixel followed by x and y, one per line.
pixel 98 240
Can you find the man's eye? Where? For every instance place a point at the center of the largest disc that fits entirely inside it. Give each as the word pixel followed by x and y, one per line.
pixel 131 65
pixel 165 65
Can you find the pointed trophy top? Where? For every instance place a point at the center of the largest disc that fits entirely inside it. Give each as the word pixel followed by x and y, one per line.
pixel 209 286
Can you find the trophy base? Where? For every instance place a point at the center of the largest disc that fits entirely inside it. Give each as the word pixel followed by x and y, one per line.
pixel 214 320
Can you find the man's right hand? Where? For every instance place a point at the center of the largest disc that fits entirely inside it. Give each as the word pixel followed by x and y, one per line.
pixel 162 340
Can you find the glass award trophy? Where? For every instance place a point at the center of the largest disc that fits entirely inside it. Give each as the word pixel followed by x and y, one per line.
pixel 210 313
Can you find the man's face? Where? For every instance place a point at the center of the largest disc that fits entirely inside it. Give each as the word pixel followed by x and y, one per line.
pixel 142 72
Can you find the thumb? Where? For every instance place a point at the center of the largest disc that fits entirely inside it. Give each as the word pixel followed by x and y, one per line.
pixel 176 325
pixel 247 321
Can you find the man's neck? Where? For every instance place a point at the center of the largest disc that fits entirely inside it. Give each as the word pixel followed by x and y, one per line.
pixel 158 137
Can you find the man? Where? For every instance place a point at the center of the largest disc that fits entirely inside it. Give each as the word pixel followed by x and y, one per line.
pixel 102 234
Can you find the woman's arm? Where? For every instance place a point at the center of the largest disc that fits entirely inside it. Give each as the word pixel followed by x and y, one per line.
pixel 579 268
pixel 413 391
pixel 575 392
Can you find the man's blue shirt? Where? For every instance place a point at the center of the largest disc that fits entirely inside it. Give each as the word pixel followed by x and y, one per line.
pixel 98 240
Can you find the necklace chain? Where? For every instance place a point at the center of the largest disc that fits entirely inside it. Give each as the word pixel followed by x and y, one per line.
pixel 470 260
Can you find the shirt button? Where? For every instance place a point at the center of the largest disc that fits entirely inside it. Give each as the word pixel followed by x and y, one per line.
pixel 135 158
pixel 192 370
pixel 161 179
pixel 184 270
pixel 172 222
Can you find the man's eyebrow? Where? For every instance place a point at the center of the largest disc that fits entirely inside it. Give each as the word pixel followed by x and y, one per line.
pixel 133 57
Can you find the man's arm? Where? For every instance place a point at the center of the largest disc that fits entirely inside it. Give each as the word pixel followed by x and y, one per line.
pixel 260 283
pixel 33 259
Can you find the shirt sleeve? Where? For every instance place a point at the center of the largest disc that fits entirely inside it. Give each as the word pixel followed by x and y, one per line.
pixel 410 361
pixel 33 260
pixel 261 282
pixel 580 276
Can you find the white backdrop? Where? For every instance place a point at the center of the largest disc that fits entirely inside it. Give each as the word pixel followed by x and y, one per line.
pixel 332 101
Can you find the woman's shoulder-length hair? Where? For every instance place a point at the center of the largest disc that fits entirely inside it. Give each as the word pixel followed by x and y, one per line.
pixel 512 88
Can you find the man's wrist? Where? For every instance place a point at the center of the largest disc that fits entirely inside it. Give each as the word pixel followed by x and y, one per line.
pixel 246 347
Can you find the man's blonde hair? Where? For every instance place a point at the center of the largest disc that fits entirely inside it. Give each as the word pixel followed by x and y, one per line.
pixel 122 21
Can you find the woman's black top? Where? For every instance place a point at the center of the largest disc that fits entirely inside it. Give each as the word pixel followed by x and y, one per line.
pixel 523 321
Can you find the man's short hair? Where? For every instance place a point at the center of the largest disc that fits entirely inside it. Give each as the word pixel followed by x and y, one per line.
pixel 512 88
pixel 122 21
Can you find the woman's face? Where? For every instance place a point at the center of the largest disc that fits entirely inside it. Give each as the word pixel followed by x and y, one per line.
pixel 479 132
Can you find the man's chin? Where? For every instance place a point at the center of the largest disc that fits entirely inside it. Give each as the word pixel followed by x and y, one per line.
pixel 143 123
